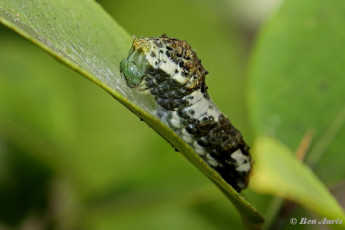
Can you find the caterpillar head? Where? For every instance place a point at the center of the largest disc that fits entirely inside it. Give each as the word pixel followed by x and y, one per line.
pixel 165 57
pixel 134 66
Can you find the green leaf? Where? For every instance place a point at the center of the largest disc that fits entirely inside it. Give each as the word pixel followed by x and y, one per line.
pixel 278 172
pixel 82 36
pixel 297 82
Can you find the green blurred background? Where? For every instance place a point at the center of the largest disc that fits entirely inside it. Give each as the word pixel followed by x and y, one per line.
pixel 71 157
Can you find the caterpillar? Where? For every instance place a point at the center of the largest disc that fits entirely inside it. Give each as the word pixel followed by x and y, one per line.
pixel 169 69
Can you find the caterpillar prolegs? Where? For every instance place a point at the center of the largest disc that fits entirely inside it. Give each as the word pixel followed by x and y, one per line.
pixel 169 69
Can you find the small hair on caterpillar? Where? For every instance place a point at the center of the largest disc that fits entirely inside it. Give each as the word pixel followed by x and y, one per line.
pixel 169 70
